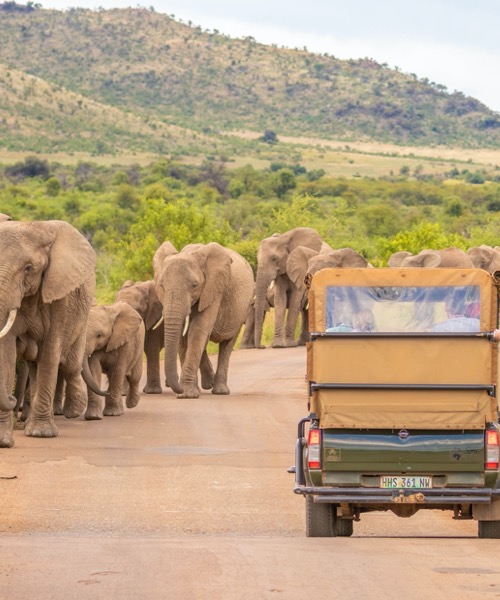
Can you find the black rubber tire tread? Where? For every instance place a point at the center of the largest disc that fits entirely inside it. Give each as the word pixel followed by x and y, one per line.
pixel 488 529
pixel 344 527
pixel 320 519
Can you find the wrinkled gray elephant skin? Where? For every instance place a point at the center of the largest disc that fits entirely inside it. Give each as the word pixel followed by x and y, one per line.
pixel 114 345
pixel 272 259
pixel 208 289
pixel 47 279
pixel 142 297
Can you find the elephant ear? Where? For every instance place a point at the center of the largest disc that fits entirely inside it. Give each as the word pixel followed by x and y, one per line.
pixel 72 261
pixel 349 258
pixel 430 258
pixel 126 321
pixel 303 236
pixel 154 306
pixel 396 259
pixel 296 264
pixel 166 249
pixel 215 262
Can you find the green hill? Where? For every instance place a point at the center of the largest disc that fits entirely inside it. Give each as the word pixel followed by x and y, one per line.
pixel 138 81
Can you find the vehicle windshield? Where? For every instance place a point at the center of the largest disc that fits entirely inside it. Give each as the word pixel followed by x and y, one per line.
pixel 403 309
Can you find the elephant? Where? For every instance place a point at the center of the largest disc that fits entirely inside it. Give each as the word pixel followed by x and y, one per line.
pixel 143 298
pixel 304 262
pixel 396 259
pixel 4 217
pixel 114 346
pixel 453 258
pixel 272 258
pixel 47 283
pixel 205 289
pixel 485 257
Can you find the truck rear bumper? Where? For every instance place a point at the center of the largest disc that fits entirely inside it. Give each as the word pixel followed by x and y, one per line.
pixel 335 495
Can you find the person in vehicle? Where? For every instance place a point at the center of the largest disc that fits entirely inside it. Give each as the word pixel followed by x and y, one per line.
pixel 462 317
pixel 363 320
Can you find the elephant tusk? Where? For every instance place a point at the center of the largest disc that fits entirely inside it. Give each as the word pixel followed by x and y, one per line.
pixel 158 323
pixel 10 321
pixel 186 325
pixel 272 284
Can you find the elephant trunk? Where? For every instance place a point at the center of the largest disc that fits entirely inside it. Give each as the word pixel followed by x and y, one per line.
pixel 7 402
pixel 173 331
pixel 89 380
pixel 261 287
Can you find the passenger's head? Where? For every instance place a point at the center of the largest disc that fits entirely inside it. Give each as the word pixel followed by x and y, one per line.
pixel 363 320
pixel 455 304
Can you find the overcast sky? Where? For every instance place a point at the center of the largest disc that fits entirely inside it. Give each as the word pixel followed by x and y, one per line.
pixel 455 43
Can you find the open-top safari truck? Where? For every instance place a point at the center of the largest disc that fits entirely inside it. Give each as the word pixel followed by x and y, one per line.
pixel 402 370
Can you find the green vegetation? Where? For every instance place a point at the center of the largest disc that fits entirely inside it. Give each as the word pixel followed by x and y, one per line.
pixel 127 212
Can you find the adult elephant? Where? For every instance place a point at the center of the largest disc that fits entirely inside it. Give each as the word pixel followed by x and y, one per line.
pixel 304 262
pixel 114 346
pixel 47 283
pixel 485 257
pixel 272 258
pixel 205 290
pixel 142 297
pixel 452 258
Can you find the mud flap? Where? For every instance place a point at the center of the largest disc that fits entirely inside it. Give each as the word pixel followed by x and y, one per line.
pixel 487 512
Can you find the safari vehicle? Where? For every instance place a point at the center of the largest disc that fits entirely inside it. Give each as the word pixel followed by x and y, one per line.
pixel 403 413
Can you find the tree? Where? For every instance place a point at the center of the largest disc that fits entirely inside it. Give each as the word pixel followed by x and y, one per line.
pixel 269 137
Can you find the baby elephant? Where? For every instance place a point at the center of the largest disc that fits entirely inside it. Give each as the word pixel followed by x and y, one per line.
pixel 114 346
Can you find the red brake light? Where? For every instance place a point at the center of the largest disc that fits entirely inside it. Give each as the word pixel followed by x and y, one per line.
pixel 492 449
pixel 314 449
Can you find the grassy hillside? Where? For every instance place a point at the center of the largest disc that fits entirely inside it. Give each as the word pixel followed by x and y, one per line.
pixel 125 77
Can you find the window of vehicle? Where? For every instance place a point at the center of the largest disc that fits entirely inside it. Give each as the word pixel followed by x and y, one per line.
pixel 402 309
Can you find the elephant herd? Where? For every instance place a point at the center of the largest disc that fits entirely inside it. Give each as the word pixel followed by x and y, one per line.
pixel 49 320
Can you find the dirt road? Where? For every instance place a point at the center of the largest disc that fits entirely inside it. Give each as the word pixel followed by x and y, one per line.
pixel 190 499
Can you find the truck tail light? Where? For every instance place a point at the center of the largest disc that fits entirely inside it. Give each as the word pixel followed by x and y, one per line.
pixel 492 449
pixel 314 449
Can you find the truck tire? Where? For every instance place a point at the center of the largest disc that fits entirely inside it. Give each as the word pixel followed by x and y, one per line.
pixel 320 519
pixel 488 529
pixel 344 527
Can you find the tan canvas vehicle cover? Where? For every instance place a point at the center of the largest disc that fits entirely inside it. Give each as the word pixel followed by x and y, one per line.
pixel 394 375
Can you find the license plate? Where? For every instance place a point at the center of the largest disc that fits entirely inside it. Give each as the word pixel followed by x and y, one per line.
pixel 419 483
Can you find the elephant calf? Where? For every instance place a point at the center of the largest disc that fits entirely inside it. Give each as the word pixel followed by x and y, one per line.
pixel 114 346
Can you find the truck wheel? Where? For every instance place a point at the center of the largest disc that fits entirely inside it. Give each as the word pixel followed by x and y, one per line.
pixel 320 519
pixel 344 527
pixel 488 529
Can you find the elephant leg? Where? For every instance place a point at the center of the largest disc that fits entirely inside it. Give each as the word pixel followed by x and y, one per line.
pixel 191 353
pixel 279 315
pixel 295 300
pixel 76 398
pixel 29 391
pixel 22 371
pixel 220 384
pixel 304 328
pixel 40 422
pixel 59 395
pixel 94 404
pixel 207 372
pixel 113 402
pixel 134 380
pixel 248 338
pixel 153 343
